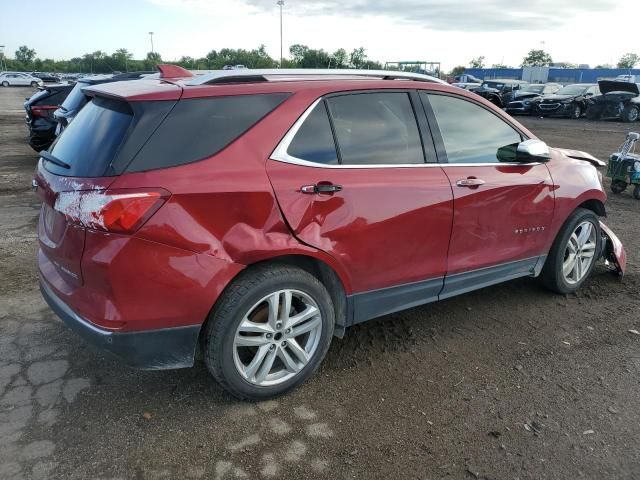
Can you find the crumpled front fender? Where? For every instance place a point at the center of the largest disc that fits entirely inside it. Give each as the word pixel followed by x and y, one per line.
pixel 613 251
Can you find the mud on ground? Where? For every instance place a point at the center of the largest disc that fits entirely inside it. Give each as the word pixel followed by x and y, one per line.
pixel 504 383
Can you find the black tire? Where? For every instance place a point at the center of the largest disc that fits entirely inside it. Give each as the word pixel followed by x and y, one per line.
pixel 593 113
pixel 630 114
pixel 576 111
pixel 5 84
pixel 618 186
pixel 636 192
pixel 237 300
pixel 552 276
pixel 34 84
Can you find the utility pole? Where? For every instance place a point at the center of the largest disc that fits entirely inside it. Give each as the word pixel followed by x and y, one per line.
pixel 151 38
pixel 281 4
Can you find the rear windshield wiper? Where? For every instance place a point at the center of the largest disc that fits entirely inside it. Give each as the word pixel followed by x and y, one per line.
pixel 53 159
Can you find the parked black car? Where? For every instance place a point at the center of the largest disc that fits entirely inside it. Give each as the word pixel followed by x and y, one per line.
pixel 77 99
pixel 500 92
pixel 46 77
pixel 570 101
pixel 617 100
pixel 39 108
pixel 524 100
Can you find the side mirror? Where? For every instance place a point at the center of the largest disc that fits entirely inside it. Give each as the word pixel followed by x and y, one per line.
pixel 532 151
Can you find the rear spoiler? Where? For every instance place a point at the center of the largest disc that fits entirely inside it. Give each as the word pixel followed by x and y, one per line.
pixel 173 71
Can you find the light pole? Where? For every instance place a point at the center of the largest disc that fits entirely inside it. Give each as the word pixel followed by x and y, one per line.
pixel 281 4
pixel 3 66
pixel 151 38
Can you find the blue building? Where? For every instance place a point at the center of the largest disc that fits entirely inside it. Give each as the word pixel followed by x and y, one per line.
pixel 551 74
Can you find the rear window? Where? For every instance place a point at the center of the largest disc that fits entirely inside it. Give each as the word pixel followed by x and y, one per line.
pixel 52 97
pixel 200 127
pixel 90 143
pixel 76 98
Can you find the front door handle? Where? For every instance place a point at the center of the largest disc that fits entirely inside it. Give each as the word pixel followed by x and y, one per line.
pixel 471 182
pixel 321 188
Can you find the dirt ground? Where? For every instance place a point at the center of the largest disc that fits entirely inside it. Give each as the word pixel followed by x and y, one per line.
pixel 510 382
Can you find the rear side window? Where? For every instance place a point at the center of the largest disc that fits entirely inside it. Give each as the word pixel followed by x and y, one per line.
pixel 314 141
pixel 200 127
pixel 90 143
pixel 376 129
pixel 76 97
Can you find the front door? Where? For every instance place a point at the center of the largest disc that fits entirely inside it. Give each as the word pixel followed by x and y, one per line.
pixel 502 209
pixel 367 197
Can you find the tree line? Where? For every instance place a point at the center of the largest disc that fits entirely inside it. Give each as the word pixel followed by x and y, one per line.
pixel 122 60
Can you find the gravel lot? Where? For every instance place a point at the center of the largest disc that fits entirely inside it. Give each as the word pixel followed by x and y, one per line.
pixel 510 382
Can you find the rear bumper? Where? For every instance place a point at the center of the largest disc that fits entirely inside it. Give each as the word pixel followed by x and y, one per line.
pixel 166 348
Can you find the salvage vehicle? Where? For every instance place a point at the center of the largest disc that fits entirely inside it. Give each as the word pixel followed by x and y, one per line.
pixel 624 167
pixel 76 100
pixel 39 109
pixel 17 79
pixel 524 100
pixel 570 101
pixel 617 100
pixel 46 77
pixel 500 92
pixel 252 215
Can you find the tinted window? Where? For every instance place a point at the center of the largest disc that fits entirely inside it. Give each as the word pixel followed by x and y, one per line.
pixel 314 141
pixel 472 134
pixel 376 128
pixel 200 127
pixel 76 98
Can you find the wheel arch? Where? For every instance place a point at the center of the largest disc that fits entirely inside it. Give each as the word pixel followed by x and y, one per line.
pixel 595 205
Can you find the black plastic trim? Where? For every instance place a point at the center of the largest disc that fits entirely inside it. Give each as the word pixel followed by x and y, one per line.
pixel 162 349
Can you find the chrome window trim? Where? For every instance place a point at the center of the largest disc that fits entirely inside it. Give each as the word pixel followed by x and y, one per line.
pixel 280 153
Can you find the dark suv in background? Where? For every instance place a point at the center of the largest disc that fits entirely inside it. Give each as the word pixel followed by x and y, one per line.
pixel 570 101
pixel 39 109
pixel 500 91
pixel 524 100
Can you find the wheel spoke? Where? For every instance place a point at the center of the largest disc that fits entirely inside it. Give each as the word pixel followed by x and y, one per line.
pixel 298 351
pixel 266 366
pixel 569 265
pixel 306 327
pixel 247 326
pixel 286 307
pixel 274 306
pixel 585 233
pixel 288 362
pixel 307 313
pixel 251 369
pixel 589 250
pixel 577 272
pixel 250 341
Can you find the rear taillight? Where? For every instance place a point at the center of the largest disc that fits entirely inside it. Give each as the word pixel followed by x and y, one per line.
pixel 118 211
pixel 43 111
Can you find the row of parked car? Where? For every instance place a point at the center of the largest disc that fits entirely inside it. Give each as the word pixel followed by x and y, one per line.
pixel 607 99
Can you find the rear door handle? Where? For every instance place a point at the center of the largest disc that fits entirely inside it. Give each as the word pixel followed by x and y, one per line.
pixel 470 182
pixel 321 188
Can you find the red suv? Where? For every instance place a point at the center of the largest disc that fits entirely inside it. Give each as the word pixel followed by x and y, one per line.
pixel 253 215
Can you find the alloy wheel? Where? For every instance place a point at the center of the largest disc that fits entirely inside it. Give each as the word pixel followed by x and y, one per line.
pixel 277 337
pixel 579 253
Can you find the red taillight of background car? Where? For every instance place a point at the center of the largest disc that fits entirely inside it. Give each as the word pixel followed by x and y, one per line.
pixel 117 211
pixel 43 111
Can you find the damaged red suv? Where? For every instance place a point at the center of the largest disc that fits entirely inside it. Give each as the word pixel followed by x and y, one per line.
pixel 254 215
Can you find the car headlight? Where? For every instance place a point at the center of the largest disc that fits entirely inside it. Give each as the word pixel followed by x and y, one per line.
pixel 636 166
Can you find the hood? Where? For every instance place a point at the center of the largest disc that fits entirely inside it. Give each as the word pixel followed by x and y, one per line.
pixel 521 95
pixel 608 86
pixel 578 155
pixel 558 98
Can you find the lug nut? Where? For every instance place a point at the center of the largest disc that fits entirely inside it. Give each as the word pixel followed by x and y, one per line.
pixel 287 331
pixel 278 325
pixel 272 347
pixel 283 344
pixel 269 335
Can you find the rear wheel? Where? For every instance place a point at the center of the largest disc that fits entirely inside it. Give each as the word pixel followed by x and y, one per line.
pixel 618 186
pixel 636 192
pixel 574 253
pixel 5 84
pixel 268 332
pixel 630 114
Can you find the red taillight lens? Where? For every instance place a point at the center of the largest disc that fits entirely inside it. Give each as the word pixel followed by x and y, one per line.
pixel 118 211
pixel 43 111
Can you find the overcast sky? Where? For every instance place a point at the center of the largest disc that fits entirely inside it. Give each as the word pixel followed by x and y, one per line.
pixel 452 32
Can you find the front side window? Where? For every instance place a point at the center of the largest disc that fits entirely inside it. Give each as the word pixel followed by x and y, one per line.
pixel 376 129
pixel 314 141
pixel 472 134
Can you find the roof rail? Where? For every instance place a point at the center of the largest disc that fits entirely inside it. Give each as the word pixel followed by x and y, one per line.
pixel 265 75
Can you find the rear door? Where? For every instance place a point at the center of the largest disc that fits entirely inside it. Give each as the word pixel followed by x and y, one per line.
pixel 502 208
pixel 352 180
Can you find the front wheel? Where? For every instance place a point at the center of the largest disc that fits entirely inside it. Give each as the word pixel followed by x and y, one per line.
pixel 34 84
pixel 574 253
pixel 576 112
pixel 268 332
pixel 618 186
pixel 5 84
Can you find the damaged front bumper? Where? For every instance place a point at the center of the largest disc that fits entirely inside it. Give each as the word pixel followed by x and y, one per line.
pixel 613 251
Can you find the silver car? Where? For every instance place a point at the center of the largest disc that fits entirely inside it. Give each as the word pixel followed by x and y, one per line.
pixel 16 79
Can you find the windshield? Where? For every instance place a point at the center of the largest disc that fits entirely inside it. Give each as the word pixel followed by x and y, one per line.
pixel 534 88
pixel 90 143
pixel 572 90
pixel 75 99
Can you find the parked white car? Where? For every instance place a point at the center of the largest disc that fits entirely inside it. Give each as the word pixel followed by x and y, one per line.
pixel 14 79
